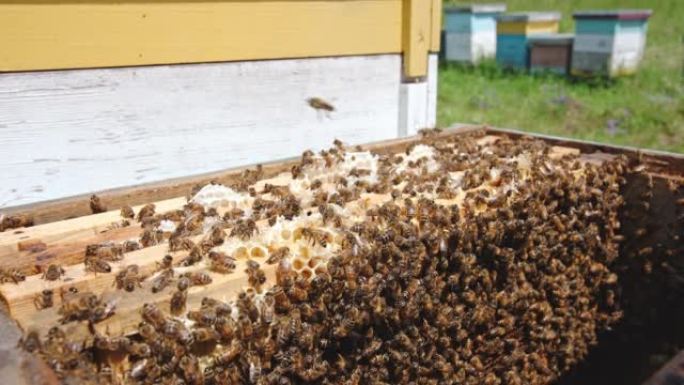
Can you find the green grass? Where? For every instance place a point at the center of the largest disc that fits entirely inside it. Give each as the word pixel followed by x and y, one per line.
pixel 644 110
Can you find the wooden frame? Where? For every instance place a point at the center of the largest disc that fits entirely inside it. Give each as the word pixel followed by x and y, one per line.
pixel 659 165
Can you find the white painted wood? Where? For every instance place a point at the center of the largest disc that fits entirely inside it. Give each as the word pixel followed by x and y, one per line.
pixel 72 132
pixel 418 101
pixel 413 109
pixel 432 82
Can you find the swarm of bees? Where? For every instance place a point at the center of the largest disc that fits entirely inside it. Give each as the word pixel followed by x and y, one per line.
pixel 510 287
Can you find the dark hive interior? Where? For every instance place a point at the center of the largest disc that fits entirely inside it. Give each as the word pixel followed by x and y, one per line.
pixel 465 259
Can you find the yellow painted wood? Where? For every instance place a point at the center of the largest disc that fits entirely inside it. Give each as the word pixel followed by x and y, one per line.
pixel 436 25
pixel 36 35
pixel 526 27
pixel 417 36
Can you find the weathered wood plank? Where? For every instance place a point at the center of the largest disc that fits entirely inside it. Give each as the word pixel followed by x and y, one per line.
pixel 74 132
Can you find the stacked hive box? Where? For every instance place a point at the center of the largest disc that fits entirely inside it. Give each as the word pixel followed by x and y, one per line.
pixel 150 90
pixel 514 31
pixel 470 32
pixel 551 53
pixel 609 42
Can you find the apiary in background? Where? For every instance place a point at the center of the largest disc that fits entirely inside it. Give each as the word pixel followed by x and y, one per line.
pixel 513 31
pixel 609 43
pixel 470 32
pixel 551 53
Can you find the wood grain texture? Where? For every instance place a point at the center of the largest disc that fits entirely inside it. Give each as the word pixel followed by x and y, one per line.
pixel 40 35
pixel 73 132
pixel 436 25
pixel 417 35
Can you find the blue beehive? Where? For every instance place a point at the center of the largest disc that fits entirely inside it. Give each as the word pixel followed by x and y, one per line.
pixel 470 32
pixel 512 34
pixel 609 43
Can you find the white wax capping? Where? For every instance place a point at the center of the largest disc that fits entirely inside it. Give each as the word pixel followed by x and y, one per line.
pixel 216 195
pixel 166 226
pixel 360 160
pixel 418 152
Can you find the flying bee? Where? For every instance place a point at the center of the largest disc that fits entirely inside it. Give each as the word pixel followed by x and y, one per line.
pixel 198 278
pixel 44 299
pixel 53 272
pixel 162 280
pixel 96 205
pixel 244 229
pixel 178 302
pixel 320 104
pixel 129 278
pixel 221 263
pixel 127 212
pixel 277 255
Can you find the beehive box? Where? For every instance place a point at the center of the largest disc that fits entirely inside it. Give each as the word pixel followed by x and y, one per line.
pixel 470 32
pixel 513 31
pixel 505 175
pixel 236 82
pixel 551 53
pixel 609 43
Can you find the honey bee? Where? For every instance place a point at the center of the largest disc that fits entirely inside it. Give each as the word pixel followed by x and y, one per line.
pixel 316 236
pixel 151 237
pixel 15 221
pixel 31 341
pixel 296 171
pixel 11 275
pixel 178 302
pixel 44 299
pixel 277 255
pixel 128 278
pixel 244 229
pixel 256 276
pixel 179 241
pixel 146 211
pixel 97 265
pixel 198 278
pixel 320 104
pixel 152 314
pixel 162 280
pixel 230 354
pixel 204 334
pixel 191 369
pixel 127 212
pixel 131 245
pixel 77 305
pixel 96 205
pixel 53 272
pixel 221 263
pixel 217 236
